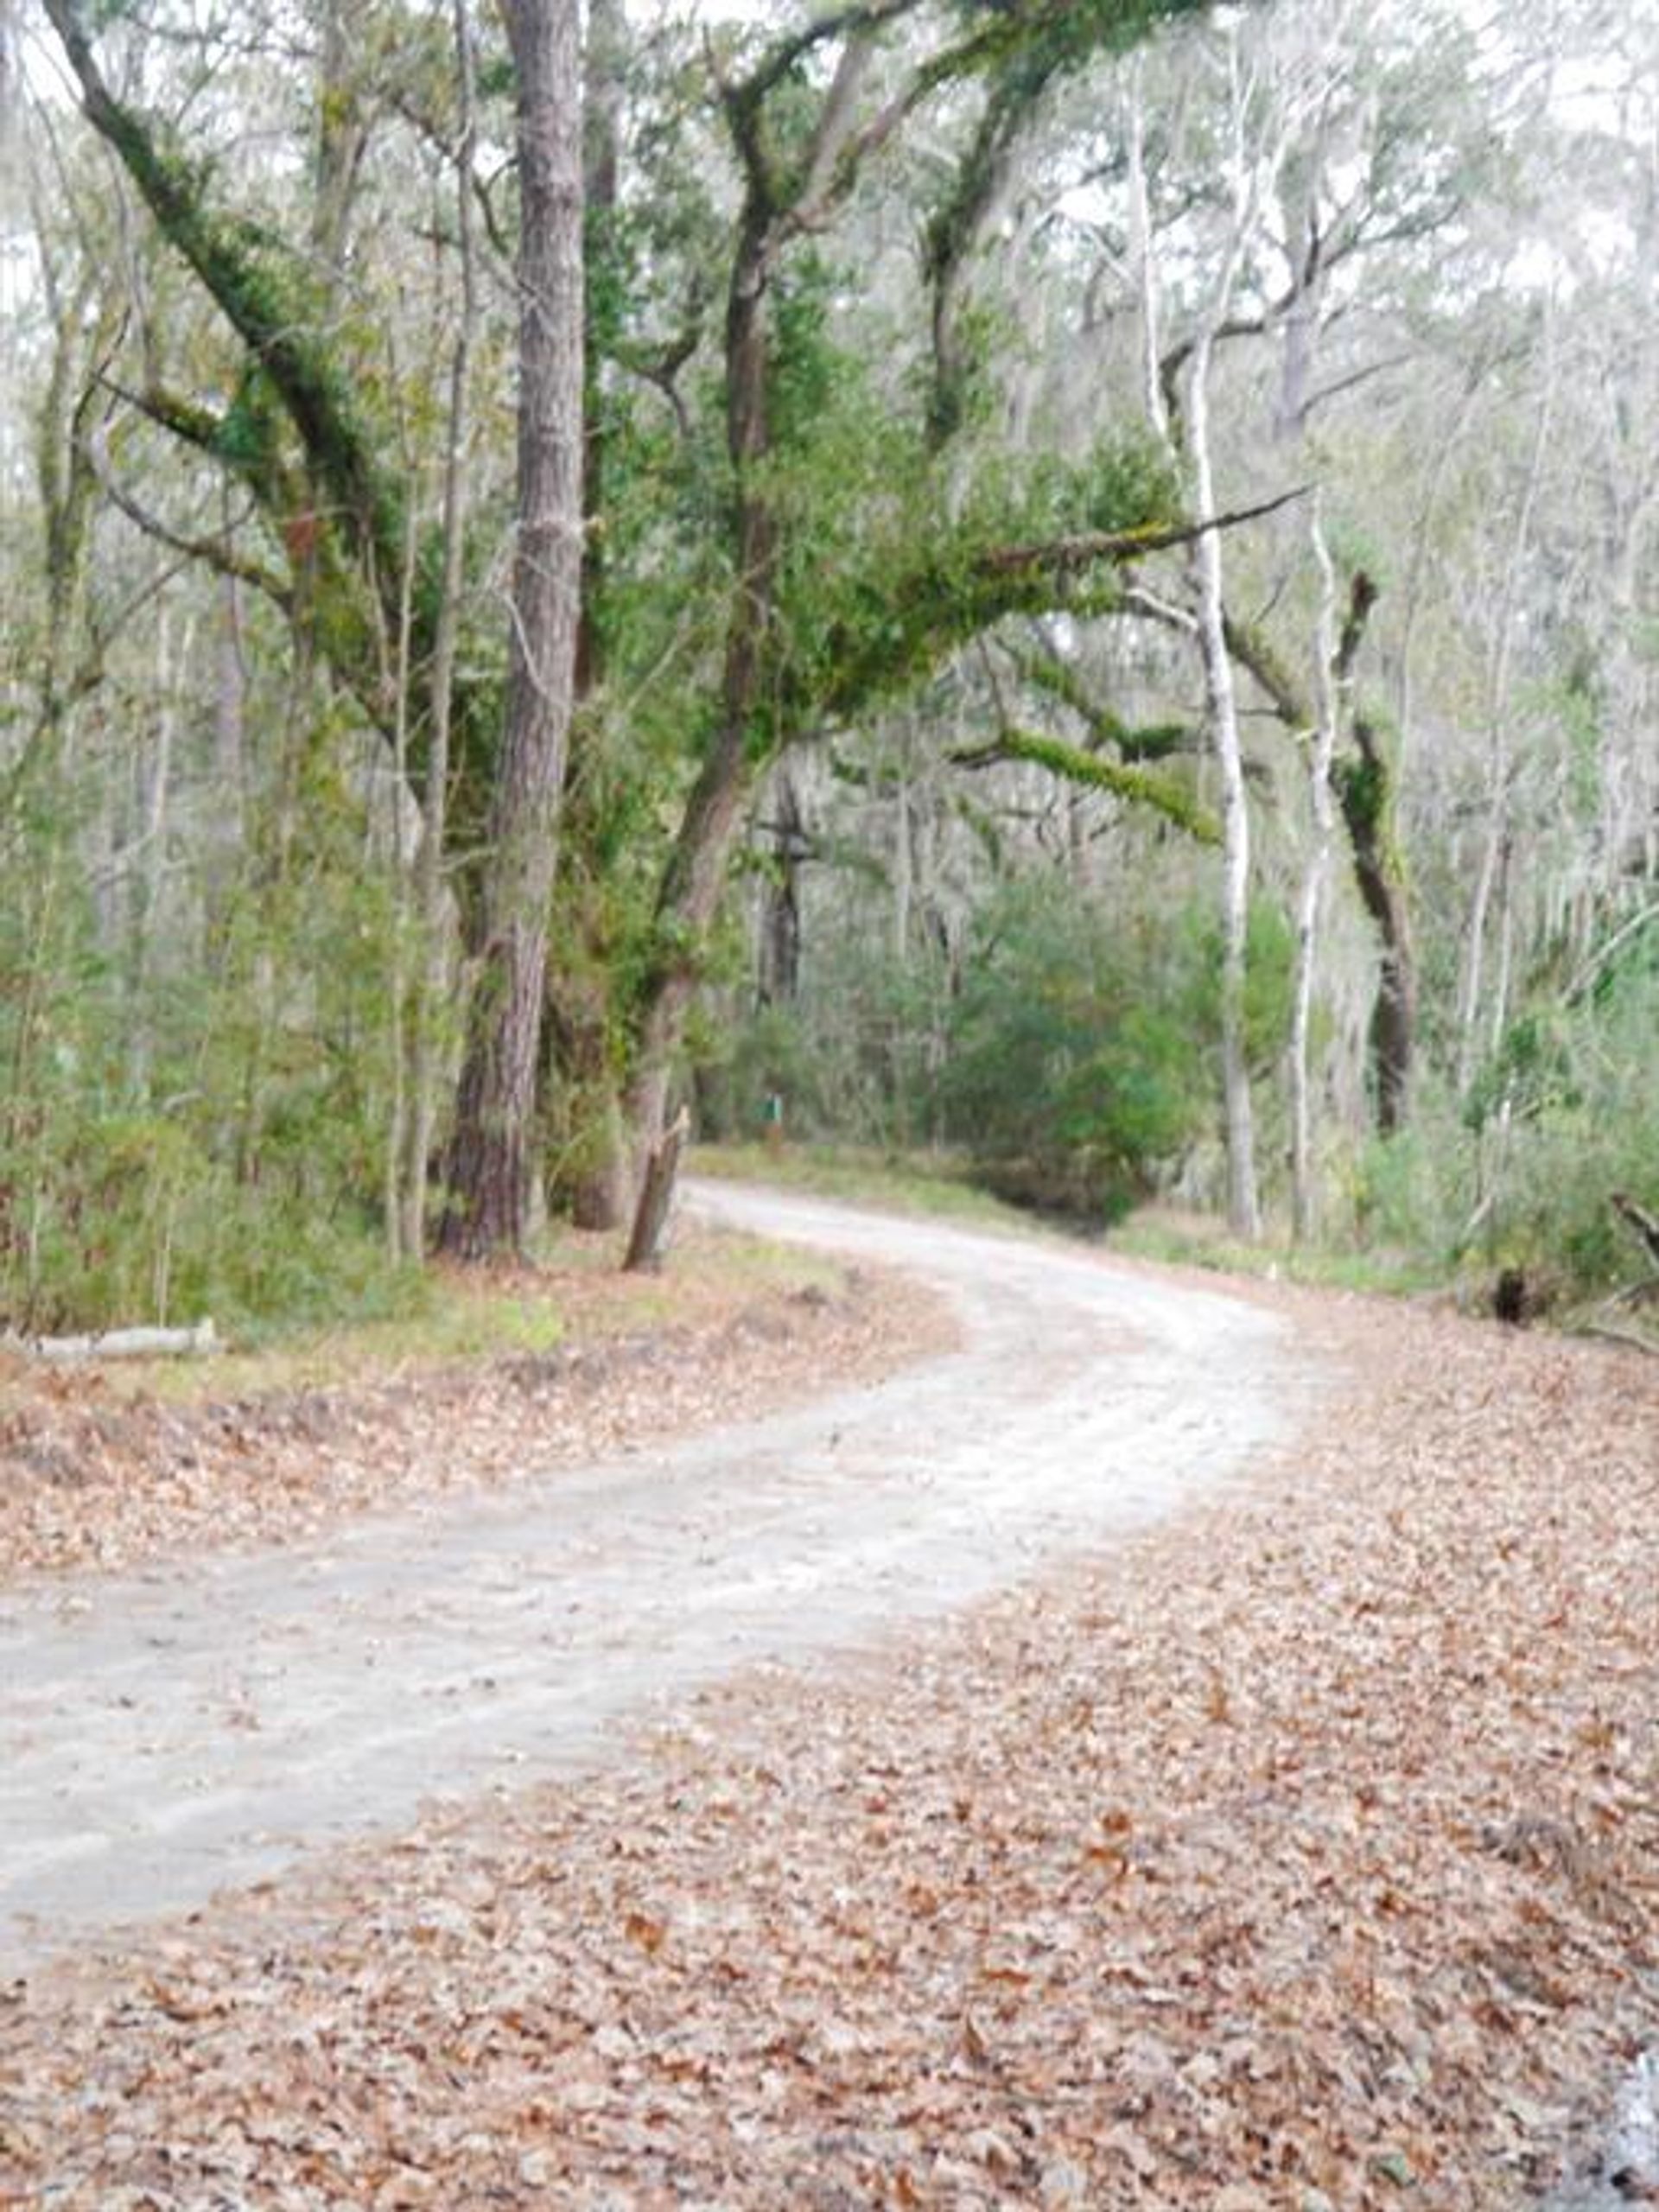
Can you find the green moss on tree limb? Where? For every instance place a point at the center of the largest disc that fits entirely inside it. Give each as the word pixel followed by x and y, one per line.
pixel 1059 556
pixel 1136 742
pixel 342 512
pixel 902 622
pixel 1252 651
pixel 262 297
pixel 343 619
pixel 1074 766
pixel 1364 785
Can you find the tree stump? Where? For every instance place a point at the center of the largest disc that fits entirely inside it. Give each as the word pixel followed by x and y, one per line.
pixel 1638 1218
pixel 651 1215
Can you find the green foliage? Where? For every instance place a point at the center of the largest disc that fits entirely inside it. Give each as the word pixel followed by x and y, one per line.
pixel 1072 1059
pixel 180 1137
pixel 881 584
pixel 806 367
pixel 1562 1115
pixel 134 1219
pixel 855 1060
pixel 1365 790
pixel 1072 1045
pixel 770 1056
pixel 248 432
pixel 1072 765
pixel 1412 1189
pixel 1530 1074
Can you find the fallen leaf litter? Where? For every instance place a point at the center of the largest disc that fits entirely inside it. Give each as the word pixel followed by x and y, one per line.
pixel 1302 1854
pixel 93 1479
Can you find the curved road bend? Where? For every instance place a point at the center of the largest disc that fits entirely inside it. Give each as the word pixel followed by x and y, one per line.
pixel 205 1724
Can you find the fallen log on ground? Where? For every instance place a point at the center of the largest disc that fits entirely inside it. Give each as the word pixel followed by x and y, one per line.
pixel 119 1344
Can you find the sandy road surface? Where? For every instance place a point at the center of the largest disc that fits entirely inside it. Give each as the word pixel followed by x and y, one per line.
pixel 167 1735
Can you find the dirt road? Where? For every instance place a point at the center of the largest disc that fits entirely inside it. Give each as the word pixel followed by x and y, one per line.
pixel 193 1727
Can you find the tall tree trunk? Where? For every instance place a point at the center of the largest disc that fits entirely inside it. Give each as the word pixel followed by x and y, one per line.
pixel 1142 262
pixel 583 1060
pixel 343 139
pixel 1243 1207
pixel 488 1164
pixel 1332 672
pixel 1627 815
pixel 695 874
pixel 399 994
pixel 604 58
pixel 229 828
pixel 779 205
pixel 904 858
pixel 777 961
pixel 1187 431
pixel 1364 788
pixel 1500 740
pixel 146 862
pixel 425 1030
pixel 1321 751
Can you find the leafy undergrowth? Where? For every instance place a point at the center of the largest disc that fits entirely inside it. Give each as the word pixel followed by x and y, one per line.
pixel 528 1370
pixel 1303 1853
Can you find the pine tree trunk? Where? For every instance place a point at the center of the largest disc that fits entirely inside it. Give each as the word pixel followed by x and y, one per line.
pixel 488 1165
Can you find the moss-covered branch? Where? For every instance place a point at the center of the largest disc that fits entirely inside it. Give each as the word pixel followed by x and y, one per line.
pixel 1060 556
pixel 1075 765
pixel 262 292
pixel 1133 741
pixel 900 622
pixel 216 549
pixel 1257 656
pixel 298 435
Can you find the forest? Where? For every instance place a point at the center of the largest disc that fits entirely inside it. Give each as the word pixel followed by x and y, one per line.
pixel 1069 587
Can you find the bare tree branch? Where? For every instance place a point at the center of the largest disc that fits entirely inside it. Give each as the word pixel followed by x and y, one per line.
pixel 216 549
pixel 862 19
pixel 1599 960
pixel 1339 385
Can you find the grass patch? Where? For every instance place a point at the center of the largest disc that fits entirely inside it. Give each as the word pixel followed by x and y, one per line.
pixel 1191 1240
pixel 937 1184
pixel 572 1293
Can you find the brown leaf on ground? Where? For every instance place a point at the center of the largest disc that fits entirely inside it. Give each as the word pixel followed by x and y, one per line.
pixel 1022 1913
